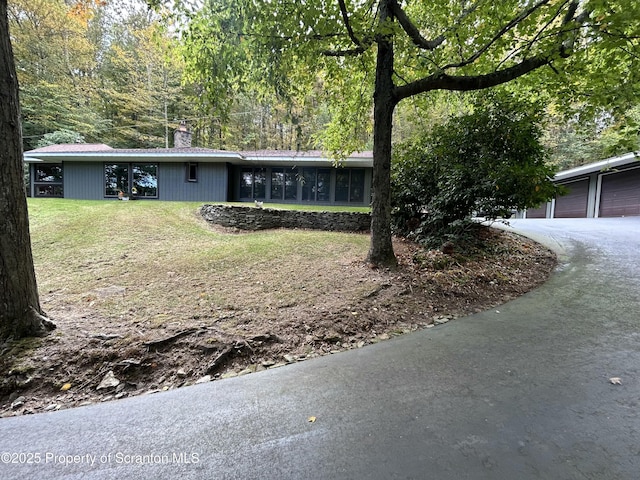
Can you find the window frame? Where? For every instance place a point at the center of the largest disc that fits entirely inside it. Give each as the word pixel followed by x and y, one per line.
pixel 130 179
pixel 255 187
pixel 351 188
pixel 192 171
pixel 56 185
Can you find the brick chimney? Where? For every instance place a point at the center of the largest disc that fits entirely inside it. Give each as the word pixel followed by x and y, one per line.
pixel 182 136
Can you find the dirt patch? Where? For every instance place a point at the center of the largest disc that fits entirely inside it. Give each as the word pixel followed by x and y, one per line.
pixel 291 316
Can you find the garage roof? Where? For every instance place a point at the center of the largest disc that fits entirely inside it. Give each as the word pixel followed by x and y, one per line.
pixel 603 165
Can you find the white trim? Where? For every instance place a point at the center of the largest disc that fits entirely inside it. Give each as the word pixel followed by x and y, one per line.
pixel 598 195
pixel 236 158
pixel 608 163
pixel 141 156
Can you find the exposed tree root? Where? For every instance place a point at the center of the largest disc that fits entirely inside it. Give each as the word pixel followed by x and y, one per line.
pixel 43 324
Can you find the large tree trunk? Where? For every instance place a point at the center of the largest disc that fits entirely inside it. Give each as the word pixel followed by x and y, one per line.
pixel 381 249
pixel 20 312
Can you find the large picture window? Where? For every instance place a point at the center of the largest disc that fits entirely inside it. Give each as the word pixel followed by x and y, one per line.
pixel 302 184
pixel 47 181
pixel 131 179
pixel 253 183
pixel 350 185
pixel 145 180
pixel 316 184
pixel 284 184
pixel 116 178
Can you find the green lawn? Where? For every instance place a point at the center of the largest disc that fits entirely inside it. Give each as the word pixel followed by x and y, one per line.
pixel 171 262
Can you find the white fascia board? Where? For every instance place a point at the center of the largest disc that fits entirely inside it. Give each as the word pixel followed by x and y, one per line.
pixel 600 166
pixel 306 161
pixel 133 156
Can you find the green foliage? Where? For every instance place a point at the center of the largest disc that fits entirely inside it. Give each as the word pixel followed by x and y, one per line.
pixel 623 135
pixel 489 161
pixel 55 63
pixel 112 76
pixel 58 137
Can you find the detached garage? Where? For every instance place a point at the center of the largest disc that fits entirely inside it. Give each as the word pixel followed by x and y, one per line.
pixel 620 194
pixel 609 188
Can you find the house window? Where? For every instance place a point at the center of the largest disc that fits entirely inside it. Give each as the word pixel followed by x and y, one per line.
pixel 316 184
pixel 284 185
pixel 253 183
pixel 145 180
pixel 134 179
pixel 192 172
pixel 116 179
pixel 47 180
pixel 350 185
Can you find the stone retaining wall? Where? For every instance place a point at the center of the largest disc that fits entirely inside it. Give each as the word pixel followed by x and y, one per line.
pixel 254 218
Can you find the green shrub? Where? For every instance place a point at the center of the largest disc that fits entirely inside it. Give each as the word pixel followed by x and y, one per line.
pixel 489 161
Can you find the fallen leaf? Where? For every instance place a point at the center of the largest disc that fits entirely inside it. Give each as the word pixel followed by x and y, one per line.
pixel 615 381
pixel 65 387
pixel 312 419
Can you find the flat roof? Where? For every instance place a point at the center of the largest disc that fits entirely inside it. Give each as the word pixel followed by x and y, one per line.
pixel 600 166
pixel 104 153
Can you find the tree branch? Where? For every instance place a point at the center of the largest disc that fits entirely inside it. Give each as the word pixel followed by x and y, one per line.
pixel 412 30
pixel 360 46
pixel 499 34
pixel 344 53
pixel 442 81
pixel 566 48
pixel 347 24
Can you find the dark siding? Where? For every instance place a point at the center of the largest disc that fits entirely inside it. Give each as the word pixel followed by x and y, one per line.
pixel 574 203
pixel 210 187
pixel 540 212
pixel 620 195
pixel 83 180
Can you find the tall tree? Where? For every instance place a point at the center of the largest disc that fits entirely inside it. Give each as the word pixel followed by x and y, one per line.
pixel 140 81
pixel 20 311
pixel 391 50
pixel 56 64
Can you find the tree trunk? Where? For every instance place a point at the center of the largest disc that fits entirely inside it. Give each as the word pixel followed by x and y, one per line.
pixel 381 249
pixel 20 312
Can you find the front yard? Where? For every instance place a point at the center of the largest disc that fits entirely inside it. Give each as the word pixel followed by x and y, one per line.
pixel 152 293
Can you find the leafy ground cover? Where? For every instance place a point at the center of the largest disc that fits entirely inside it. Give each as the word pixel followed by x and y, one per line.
pixel 147 297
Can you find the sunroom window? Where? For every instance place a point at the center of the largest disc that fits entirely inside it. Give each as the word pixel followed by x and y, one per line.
pixel 284 184
pixel 253 183
pixel 316 184
pixel 350 185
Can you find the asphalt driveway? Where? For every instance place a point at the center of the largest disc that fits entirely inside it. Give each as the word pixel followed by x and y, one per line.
pixel 518 392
